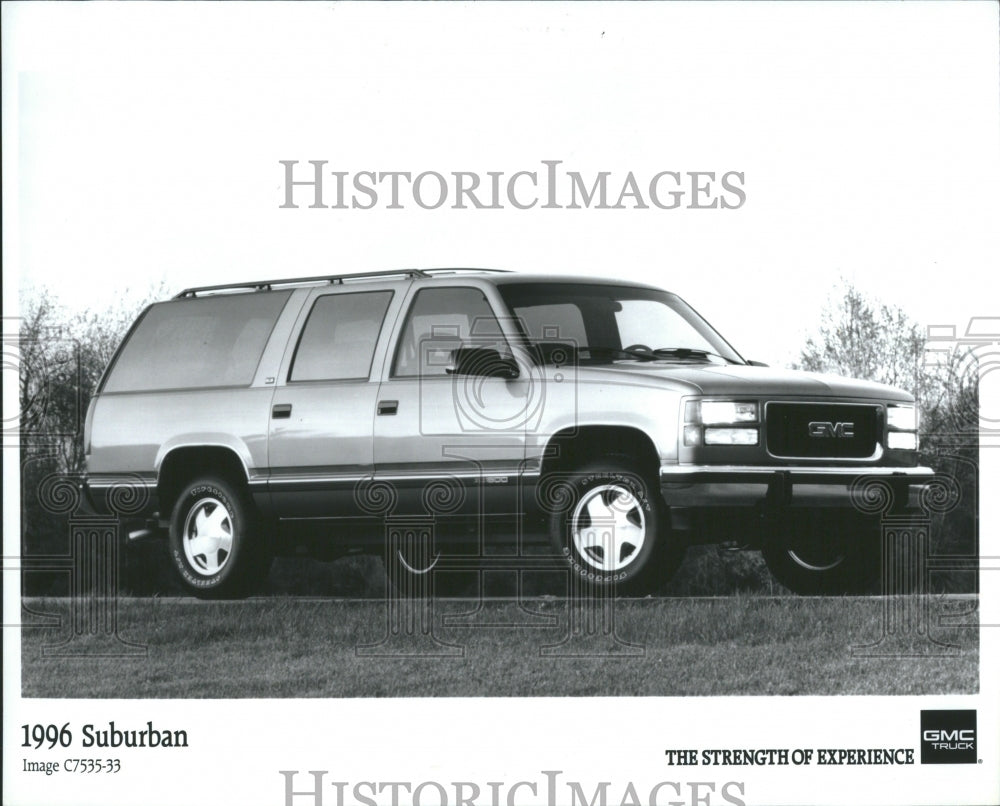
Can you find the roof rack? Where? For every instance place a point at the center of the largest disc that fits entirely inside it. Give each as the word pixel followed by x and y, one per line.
pixel 465 271
pixel 268 285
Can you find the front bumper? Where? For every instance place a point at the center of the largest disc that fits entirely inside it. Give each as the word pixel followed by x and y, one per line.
pixel 793 486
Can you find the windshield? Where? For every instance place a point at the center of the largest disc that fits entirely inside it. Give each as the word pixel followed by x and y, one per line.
pixel 603 323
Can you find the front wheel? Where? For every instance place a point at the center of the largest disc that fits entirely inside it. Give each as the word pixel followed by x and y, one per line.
pixel 215 540
pixel 823 555
pixel 611 526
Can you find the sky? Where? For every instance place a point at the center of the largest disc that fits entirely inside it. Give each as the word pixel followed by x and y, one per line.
pixel 866 138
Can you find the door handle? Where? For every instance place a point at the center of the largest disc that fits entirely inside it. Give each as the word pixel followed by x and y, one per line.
pixel 281 411
pixel 388 406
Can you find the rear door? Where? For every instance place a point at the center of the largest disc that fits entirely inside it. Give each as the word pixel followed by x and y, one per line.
pixel 322 413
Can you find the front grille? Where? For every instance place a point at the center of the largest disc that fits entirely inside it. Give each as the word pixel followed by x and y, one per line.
pixel 822 430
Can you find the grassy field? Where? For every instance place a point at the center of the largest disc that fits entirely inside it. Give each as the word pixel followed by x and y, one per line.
pixel 299 647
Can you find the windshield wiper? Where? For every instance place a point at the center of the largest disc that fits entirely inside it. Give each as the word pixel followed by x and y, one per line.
pixel 642 355
pixel 689 352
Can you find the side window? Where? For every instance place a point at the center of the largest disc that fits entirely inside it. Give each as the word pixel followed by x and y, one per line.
pixel 439 321
pixel 338 341
pixel 197 343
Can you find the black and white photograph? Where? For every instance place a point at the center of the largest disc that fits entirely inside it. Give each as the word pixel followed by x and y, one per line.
pixel 501 403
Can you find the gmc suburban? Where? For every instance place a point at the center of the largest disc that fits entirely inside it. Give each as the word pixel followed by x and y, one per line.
pixel 605 418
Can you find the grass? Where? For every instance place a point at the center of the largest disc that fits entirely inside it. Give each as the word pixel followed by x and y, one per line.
pixel 295 647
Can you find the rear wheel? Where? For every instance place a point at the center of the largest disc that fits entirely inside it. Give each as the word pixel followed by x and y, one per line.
pixel 215 540
pixel 414 571
pixel 413 568
pixel 612 528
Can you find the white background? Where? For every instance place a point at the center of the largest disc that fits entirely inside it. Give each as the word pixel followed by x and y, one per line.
pixel 141 145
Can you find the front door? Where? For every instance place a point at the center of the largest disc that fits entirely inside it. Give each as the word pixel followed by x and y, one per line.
pixel 449 444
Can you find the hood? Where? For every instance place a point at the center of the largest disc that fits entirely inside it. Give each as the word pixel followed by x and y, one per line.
pixel 739 379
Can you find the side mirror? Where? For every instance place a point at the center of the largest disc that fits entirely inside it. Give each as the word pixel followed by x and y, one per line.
pixel 484 362
pixel 758 364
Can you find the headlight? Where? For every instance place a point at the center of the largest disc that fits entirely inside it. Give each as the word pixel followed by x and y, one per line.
pixel 701 418
pixel 902 421
pixel 731 436
pixel 724 412
pixel 902 418
pixel 902 441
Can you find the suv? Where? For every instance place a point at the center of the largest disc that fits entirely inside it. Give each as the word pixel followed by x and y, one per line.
pixel 604 417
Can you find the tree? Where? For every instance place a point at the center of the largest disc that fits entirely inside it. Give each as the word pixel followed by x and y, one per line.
pixel 61 359
pixel 860 337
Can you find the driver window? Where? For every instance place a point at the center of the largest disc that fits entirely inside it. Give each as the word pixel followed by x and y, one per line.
pixel 440 321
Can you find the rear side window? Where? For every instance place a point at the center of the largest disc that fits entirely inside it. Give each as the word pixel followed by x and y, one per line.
pixel 197 343
pixel 338 341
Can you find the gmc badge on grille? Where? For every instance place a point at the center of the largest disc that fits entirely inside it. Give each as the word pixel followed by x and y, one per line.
pixel 838 430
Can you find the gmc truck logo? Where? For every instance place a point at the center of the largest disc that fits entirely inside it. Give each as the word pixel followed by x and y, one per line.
pixel 949 735
pixel 835 430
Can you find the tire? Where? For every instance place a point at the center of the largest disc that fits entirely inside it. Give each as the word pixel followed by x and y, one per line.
pixel 612 527
pixel 824 554
pixel 227 560
pixel 411 567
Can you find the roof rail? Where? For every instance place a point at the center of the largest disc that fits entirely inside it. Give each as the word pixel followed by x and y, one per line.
pixel 267 285
pixel 465 271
